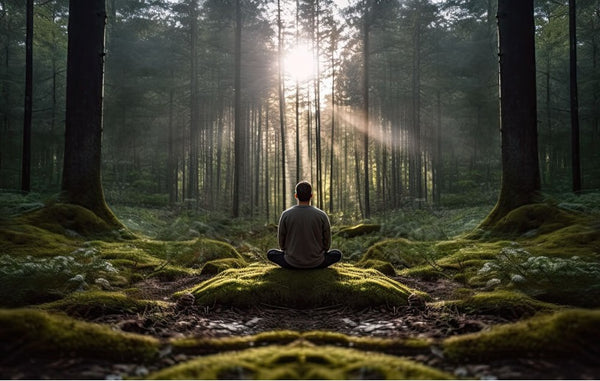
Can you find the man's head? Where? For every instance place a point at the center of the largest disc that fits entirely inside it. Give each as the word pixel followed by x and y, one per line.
pixel 303 191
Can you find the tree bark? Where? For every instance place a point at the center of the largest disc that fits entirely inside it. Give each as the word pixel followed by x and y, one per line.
pixel 281 102
pixel 518 108
pixel 366 22
pixel 26 152
pixel 575 146
pixel 238 142
pixel 81 182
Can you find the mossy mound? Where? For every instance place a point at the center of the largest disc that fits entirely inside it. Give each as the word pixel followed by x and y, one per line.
pixel 533 219
pixel 396 346
pixel 93 304
pixel 38 333
pixel 356 230
pixel 567 333
pixel 23 239
pixel 193 253
pixel 581 240
pixel 300 360
pixel 219 265
pixel 383 267
pixel 65 219
pixel 400 252
pixel 265 284
pixel 500 303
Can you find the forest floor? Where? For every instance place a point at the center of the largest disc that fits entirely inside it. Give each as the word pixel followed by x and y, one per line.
pixel 432 320
pixel 200 322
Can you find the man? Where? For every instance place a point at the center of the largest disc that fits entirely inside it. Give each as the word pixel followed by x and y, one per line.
pixel 304 235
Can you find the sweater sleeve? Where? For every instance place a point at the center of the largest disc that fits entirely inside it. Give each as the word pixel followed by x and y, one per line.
pixel 326 232
pixel 281 232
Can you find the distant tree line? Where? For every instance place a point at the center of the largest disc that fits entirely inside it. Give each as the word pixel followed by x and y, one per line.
pixel 199 108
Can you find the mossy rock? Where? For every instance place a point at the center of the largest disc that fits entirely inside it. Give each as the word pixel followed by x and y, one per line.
pixel 356 230
pixel 383 267
pixel 533 219
pixel 400 252
pixel 265 284
pixel 568 333
pixel 39 333
pixel 507 304
pixel 92 304
pixel 219 265
pixel 300 360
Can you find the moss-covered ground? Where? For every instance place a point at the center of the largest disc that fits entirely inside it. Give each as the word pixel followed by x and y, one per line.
pixel 180 295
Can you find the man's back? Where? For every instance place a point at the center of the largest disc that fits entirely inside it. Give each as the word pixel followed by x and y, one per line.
pixel 304 235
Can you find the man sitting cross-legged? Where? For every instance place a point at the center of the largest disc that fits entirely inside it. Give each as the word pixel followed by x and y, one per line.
pixel 304 235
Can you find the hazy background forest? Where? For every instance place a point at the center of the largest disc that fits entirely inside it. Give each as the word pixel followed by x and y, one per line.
pixel 430 136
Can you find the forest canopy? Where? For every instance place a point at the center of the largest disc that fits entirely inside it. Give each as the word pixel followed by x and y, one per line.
pixel 426 130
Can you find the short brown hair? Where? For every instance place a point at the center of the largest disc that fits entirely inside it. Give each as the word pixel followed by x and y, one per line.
pixel 303 191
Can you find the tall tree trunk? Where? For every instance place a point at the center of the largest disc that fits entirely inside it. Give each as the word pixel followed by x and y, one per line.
pixel 26 152
pixel 298 154
pixel 331 150
pixel 171 171
pixel 437 156
pixel 281 101
pixel 365 89
pixel 194 105
pixel 238 142
pixel 415 160
pixel 317 85
pixel 520 167
pixel 575 146
pixel 81 182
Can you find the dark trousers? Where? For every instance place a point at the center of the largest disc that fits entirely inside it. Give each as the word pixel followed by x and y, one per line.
pixel 277 256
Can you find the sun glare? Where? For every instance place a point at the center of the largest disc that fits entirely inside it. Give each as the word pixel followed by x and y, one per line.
pixel 299 63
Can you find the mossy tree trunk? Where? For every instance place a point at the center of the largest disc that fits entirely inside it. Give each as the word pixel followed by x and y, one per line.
pixel 520 167
pixel 81 182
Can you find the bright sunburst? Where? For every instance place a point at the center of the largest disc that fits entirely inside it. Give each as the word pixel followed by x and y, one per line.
pixel 299 63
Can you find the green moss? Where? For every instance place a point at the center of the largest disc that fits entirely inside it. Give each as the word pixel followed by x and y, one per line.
pixel 40 333
pixel 193 253
pixel 383 267
pixel 540 218
pixel 299 360
pixel 400 252
pixel 500 303
pixel 60 218
pixel 22 239
pixel 93 304
pixel 265 284
pixel 202 346
pixel 581 240
pixel 569 333
pixel 219 265
pixel 356 230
